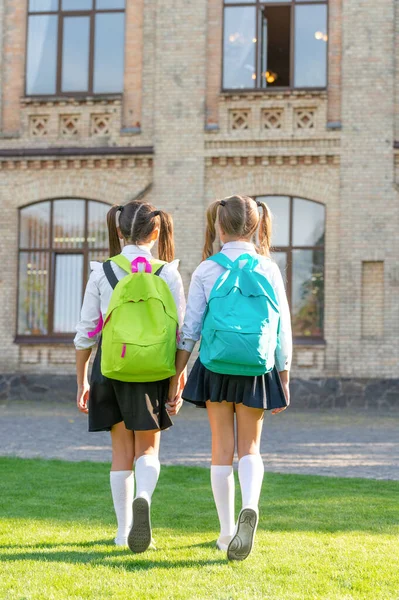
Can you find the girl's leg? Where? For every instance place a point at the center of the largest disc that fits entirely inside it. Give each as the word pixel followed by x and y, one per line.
pixel 121 479
pixel 221 420
pixel 250 465
pixel 250 473
pixel 147 472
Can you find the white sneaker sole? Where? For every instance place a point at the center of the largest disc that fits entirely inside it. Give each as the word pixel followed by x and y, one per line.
pixel 139 538
pixel 242 543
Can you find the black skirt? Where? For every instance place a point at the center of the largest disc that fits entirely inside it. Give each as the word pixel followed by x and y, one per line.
pixel 263 391
pixel 140 405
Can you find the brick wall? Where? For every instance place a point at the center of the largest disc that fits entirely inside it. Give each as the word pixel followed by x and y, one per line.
pixel 208 145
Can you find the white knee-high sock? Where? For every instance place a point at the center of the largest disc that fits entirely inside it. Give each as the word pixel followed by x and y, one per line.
pixel 222 481
pixel 250 474
pixel 147 472
pixel 122 488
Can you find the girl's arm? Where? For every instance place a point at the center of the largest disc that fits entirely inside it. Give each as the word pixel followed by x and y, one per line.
pixel 283 354
pixel 89 319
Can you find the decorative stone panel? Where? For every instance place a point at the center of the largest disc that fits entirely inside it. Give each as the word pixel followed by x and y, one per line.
pixel 38 125
pixel 100 124
pixel 272 118
pixel 304 118
pixel 69 125
pixel 240 120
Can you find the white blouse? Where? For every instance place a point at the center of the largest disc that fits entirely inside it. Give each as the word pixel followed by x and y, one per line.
pixel 99 291
pixel 202 282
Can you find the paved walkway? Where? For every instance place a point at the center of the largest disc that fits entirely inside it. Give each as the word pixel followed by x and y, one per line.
pixel 334 443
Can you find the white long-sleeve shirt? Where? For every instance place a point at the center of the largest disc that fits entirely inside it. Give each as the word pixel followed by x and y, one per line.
pixel 202 282
pixel 99 291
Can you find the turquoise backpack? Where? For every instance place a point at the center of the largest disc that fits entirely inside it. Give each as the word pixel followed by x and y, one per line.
pixel 242 321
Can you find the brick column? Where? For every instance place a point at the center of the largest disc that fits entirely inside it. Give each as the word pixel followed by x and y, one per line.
pixel 334 62
pixel 1 60
pixel 214 61
pixel 133 80
pixel 369 206
pixel 179 122
pixel 13 63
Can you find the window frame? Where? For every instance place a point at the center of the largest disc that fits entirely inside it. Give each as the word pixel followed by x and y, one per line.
pixel 288 250
pixel 275 89
pixel 61 14
pixel 52 337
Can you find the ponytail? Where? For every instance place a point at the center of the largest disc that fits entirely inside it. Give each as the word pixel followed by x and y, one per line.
pixel 265 229
pixel 114 241
pixel 166 244
pixel 210 234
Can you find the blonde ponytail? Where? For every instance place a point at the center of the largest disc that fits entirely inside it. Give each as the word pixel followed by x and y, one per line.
pixel 210 234
pixel 265 229
pixel 166 245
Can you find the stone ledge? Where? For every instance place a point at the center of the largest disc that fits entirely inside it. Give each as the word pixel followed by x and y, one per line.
pixel 308 394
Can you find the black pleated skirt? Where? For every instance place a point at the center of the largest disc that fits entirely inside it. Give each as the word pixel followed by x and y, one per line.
pixel 140 405
pixel 263 391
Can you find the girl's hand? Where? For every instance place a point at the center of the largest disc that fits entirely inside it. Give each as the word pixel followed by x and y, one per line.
pixel 176 386
pixel 82 398
pixel 173 406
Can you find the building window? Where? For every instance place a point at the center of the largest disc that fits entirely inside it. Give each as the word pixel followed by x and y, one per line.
pixel 57 241
pixel 275 44
pixel 298 249
pixel 75 47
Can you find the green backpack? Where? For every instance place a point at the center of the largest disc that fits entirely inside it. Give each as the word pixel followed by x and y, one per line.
pixel 139 331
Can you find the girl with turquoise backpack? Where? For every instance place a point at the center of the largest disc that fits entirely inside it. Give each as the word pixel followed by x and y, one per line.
pixel 133 307
pixel 237 305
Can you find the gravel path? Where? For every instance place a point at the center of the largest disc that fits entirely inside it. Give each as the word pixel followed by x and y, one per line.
pixel 335 443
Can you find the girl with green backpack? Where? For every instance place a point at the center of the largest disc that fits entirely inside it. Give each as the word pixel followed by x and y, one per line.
pixel 237 305
pixel 132 307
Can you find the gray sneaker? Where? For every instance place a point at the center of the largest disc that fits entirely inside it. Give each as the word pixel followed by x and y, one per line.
pixel 139 538
pixel 243 540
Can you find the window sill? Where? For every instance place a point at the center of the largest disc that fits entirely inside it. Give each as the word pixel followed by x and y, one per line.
pixel 309 341
pixel 272 93
pixel 72 99
pixel 45 340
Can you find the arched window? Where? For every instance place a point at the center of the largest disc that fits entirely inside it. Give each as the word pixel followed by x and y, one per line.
pixel 298 249
pixel 57 240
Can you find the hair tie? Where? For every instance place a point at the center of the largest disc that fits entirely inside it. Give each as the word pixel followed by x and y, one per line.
pixel 120 208
pixel 259 203
pixel 222 203
pixel 156 213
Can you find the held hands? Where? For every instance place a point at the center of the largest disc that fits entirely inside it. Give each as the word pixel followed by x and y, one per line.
pixel 176 386
pixel 82 398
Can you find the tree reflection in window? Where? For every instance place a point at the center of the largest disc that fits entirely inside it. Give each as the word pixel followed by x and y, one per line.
pixel 298 249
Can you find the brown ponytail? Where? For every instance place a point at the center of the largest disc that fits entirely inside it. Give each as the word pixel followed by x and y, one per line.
pixel 265 229
pixel 210 234
pixel 166 244
pixel 114 241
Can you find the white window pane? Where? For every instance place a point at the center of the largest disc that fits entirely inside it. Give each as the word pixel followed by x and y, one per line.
pixel 41 62
pixel 33 293
pixel 309 223
pixel 75 54
pixel 280 258
pixel 68 223
pixel 311 46
pixel 97 225
pixel 109 47
pixel 280 209
pixel 239 47
pixel 68 291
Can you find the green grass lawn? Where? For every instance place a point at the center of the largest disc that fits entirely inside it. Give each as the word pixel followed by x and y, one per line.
pixel 318 538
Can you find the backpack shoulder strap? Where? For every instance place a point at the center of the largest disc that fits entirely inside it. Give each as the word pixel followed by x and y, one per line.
pixel 122 262
pixel 110 275
pixel 222 260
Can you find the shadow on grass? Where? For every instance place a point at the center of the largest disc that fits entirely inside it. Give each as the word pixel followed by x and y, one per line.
pixel 78 493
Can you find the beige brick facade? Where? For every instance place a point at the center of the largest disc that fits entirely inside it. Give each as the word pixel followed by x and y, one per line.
pixel 335 147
